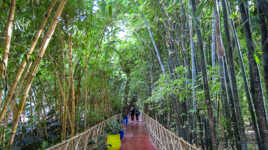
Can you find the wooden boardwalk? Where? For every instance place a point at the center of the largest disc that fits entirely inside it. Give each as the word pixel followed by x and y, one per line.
pixel 136 137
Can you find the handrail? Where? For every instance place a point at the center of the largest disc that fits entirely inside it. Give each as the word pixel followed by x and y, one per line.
pixel 163 138
pixel 80 141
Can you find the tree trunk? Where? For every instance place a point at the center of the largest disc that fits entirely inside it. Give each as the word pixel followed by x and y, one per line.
pixel 193 54
pixel 9 30
pixel 213 40
pixel 66 112
pixel 231 101
pixel 225 102
pixel 71 81
pixel 255 80
pixel 248 95
pixel 24 63
pixel 213 58
pixel 205 80
pixel 155 47
pixel 262 7
pixel 34 70
pixel 201 131
pixel 240 121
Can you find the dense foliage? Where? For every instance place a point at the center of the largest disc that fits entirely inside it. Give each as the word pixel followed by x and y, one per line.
pixel 200 67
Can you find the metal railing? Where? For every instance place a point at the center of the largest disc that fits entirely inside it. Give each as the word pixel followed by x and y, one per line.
pixel 81 141
pixel 163 138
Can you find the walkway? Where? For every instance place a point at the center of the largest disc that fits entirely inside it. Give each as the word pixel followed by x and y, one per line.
pixel 136 137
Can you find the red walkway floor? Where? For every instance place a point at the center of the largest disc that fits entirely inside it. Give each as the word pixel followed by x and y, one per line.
pixel 136 137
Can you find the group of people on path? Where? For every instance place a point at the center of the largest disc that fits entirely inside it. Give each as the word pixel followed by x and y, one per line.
pixel 133 112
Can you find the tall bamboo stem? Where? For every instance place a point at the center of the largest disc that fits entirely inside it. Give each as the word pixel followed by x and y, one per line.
pixel 34 70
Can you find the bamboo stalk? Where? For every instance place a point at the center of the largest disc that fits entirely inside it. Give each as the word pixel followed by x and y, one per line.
pixel 72 90
pixel 9 30
pixel 24 63
pixel 34 70
pixel 66 112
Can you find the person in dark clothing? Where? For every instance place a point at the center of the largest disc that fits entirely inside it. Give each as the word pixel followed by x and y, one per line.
pixel 132 113
pixel 137 112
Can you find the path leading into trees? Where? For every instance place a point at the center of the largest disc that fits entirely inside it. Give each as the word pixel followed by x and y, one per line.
pixel 146 134
pixel 136 137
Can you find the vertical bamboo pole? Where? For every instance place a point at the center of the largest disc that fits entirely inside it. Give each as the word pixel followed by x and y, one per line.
pixel 34 70
pixel 72 90
pixel 24 63
pixel 9 30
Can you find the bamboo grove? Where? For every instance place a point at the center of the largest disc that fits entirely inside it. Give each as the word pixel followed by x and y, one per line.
pixel 199 67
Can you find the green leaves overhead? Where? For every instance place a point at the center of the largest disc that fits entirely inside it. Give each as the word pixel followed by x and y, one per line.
pixel 109 47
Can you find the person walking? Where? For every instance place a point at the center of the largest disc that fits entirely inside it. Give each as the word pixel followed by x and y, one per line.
pixel 125 115
pixel 137 112
pixel 132 113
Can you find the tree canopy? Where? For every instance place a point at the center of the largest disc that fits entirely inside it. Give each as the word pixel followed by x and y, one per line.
pixel 200 67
